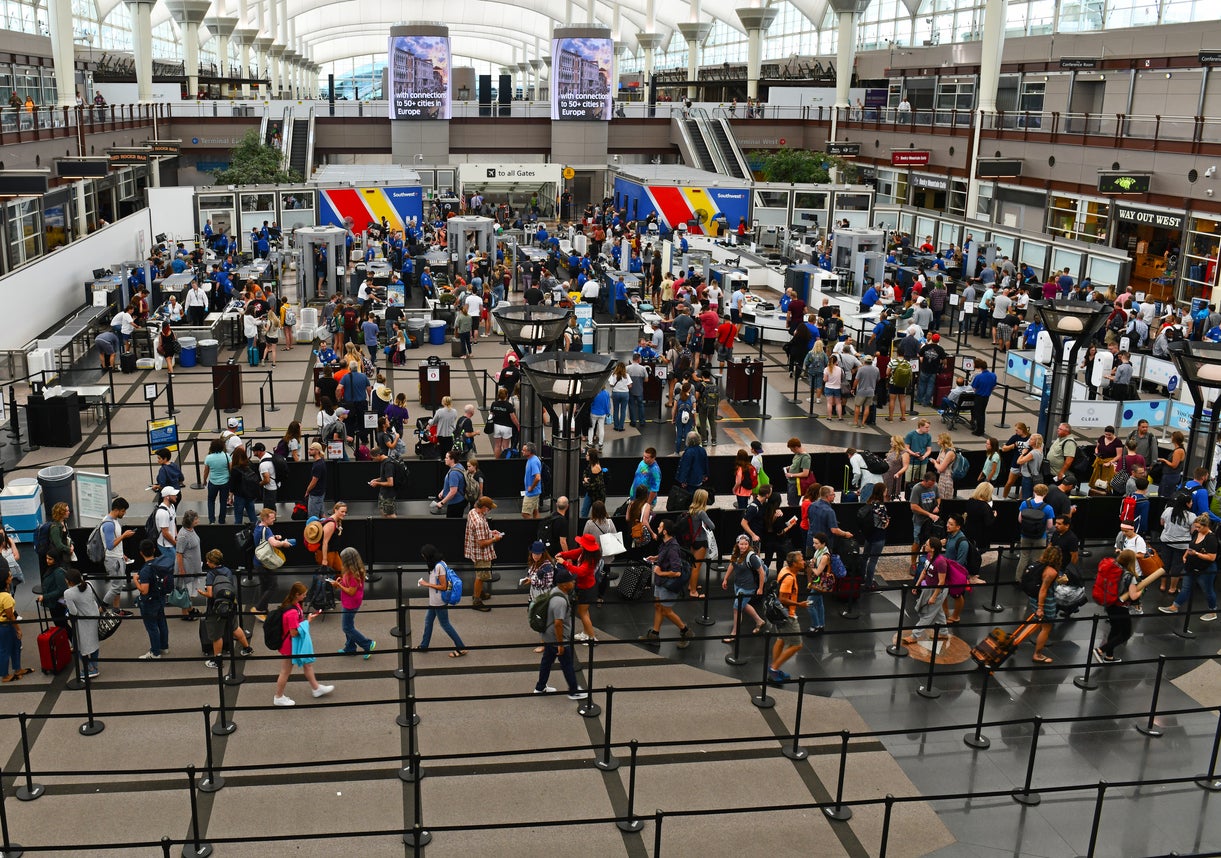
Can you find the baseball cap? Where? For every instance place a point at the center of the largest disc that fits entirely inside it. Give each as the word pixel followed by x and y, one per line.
pixel 169 492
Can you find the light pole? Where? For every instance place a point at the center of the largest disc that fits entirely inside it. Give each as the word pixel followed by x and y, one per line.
pixel 531 329
pixel 1071 326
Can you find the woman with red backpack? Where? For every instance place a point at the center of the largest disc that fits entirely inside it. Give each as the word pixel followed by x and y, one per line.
pixel 1118 577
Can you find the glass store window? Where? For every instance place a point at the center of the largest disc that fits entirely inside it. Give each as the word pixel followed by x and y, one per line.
pixel 1200 258
pixel 24 225
pixel 956 200
pixel 1062 216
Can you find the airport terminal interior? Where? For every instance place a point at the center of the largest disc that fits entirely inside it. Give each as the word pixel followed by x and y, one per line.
pixel 676 429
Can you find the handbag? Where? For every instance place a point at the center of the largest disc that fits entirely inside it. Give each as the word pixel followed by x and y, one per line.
pixel 109 619
pixel 268 555
pixel 489 428
pixel 1149 563
pixel 679 499
pixel 611 544
pixel 300 512
pixel 713 553
pixel 179 597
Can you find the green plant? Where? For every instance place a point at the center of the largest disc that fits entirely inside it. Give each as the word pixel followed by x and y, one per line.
pixel 800 165
pixel 446 298
pixel 252 162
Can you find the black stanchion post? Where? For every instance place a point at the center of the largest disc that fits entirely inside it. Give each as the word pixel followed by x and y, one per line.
pixel 890 806
pixel 223 726
pixel 631 824
pixel 271 393
pixel 733 657
pixel 1150 728
pixel 262 427
pixel 30 790
pixel 234 677
pixel 703 619
pixel 762 701
pixel 418 837
pixel 1004 405
pixel 170 410
pixel 106 413
pixel 657 819
pixel 411 772
pixel 1025 795
pixel 609 763
pixel 763 415
pixel 795 751
pixel 1102 791
pixel 1186 632
pixel 927 690
pixel 897 649
pixel 840 813
pixel 405 669
pixel 589 709
pixel 1209 781
pixel 9 848
pixel 1084 682
pixel 166 843
pixel 978 740
pixel 198 484
pixel 995 607
pixel 92 726
pixel 196 848
pixel 409 717
pixel 212 782
pixel 398 631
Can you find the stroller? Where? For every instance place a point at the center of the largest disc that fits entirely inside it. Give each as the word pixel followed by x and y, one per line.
pixel 426 446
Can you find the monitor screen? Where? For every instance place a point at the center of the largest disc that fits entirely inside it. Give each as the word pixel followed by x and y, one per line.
pixel 581 72
pixel 419 77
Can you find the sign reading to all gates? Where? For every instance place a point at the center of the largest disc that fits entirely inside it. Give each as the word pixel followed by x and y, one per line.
pixel 844 150
pixel 1123 183
pixel 909 157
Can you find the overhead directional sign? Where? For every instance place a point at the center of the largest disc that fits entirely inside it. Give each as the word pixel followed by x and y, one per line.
pixel 843 150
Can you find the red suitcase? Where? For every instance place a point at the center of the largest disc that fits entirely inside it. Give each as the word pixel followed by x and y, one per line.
pixel 54 650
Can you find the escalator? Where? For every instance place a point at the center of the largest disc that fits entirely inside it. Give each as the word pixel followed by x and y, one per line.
pixel 731 155
pixel 699 147
pixel 301 145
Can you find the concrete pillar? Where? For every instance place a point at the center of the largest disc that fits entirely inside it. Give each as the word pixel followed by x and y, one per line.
pixel 590 20
pixel 523 71
pixel 694 33
pixel 755 21
pixel 142 43
pixel 616 52
pixel 63 54
pixel 989 80
pixel 261 45
pixel 189 14
pixel 847 12
pixel 648 43
pixel 274 53
pixel 245 38
pixel 222 27
pixel 538 66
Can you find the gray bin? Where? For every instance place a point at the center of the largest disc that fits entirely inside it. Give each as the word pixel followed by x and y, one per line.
pixel 56 482
pixel 208 352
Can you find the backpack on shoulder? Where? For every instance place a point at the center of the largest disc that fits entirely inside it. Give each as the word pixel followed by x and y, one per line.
pixel 1032 521
pixel 95 548
pixel 536 614
pixel 1032 579
pixel 961 467
pixel 1106 583
pixel 774 610
pixel 273 629
pixel 453 587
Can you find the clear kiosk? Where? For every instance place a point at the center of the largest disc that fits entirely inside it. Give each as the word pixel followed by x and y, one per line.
pixel 471 233
pixel 863 253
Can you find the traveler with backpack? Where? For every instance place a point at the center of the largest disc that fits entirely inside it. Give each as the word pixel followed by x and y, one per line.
pixel 266 577
pixel 153 581
pixel 82 604
pixel 932 589
pixel 683 416
pixel 221 617
pixel 351 586
pixel 1199 566
pixel 291 624
pixel 1117 578
pixel 113 560
pixel 267 473
pixel 452 497
pixel 945 465
pixel 53 536
pixel 244 485
pixel 168 472
pixel 1036 518
pixel 1177 519
pixel 479 548
pixel 555 637
pixel 787 629
pixel 957 549
pixel 384 482
pixel 593 482
pixel 671 575
pixel 746 571
pixel 1042 602
pixel 874 519
pixel 438 584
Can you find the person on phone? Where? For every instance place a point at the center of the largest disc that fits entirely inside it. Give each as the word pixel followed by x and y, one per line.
pixel 296 627
pixel 351 586
pixel 668 566
pixel 480 549
pixel 436 584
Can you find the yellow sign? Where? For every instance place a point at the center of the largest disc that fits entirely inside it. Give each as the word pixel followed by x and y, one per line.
pixel 163 433
pixel 569 172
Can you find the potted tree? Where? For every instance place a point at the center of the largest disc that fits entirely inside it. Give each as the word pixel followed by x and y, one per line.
pixel 444 310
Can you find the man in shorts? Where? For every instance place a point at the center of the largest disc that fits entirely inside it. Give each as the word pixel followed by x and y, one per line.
pixel 480 548
pixel 220 621
pixel 533 482
pixel 864 388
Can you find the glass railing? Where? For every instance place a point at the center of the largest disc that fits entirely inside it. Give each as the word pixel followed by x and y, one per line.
pixel 49 122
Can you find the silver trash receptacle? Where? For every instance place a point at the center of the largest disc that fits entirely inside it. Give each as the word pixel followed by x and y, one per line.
pixel 208 352
pixel 56 482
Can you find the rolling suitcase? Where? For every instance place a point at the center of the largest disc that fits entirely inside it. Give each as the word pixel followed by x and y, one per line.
pixel 634 580
pixel 252 355
pixel 992 651
pixel 54 650
pixel 127 361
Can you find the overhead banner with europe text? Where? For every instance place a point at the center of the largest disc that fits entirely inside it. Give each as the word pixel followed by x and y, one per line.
pixel 580 74
pixel 419 77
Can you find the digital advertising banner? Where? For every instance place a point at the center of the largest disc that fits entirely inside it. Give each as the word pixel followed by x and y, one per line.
pixel 580 74
pixel 419 77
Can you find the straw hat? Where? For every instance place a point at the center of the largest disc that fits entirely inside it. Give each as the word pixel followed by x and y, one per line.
pixel 313 531
pixel 384 393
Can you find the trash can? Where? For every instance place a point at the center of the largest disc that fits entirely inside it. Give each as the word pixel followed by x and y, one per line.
pixel 436 332
pixel 56 484
pixel 186 357
pixel 21 508
pixel 744 381
pixel 416 332
pixel 208 352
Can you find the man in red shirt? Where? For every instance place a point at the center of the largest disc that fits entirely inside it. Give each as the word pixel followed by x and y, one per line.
pixel 708 323
pixel 797 311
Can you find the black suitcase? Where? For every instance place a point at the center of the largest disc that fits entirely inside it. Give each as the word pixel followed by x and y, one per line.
pixel 634 579
pixel 456 348
pixel 127 361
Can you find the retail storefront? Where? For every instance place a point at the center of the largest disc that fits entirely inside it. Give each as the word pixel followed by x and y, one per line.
pixel 1078 218
pixel 1200 258
pixel 1153 238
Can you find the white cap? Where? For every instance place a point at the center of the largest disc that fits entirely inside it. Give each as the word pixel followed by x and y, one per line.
pixel 169 492
pixel 234 422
